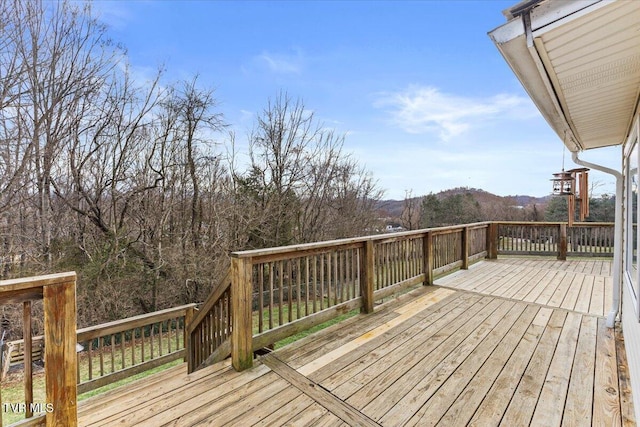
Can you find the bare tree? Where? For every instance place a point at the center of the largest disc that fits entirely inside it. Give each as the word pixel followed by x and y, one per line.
pixel 301 186
pixel 411 213
pixel 63 56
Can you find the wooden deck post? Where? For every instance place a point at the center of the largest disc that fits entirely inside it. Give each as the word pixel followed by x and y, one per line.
pixel 562 244
pixel 465 248
pixel 188 350
pixel 492 241
pixel 60 356
pixel 367 276
pixel 241 330
pixel 427 250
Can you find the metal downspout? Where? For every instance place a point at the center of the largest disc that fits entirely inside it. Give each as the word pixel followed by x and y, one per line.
pixel 617 245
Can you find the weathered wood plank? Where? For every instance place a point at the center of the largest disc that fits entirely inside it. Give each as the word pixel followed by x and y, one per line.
pixel 367 384
pixel 407 312
pixel 497 399
pixel 406 395
pixel 307 349
pixel 181 387
pixel 571 297
pixel 530 293
pixel 436 406
pixel 561 291
pixel 313 413
pixel 281 417
pixel 524 399
pixel 584 298
pixel 159 410
pixel 224 410
pixel 606 396
pixel 578 407
pixel 547 291
pixel 556 383
pixel 411 330
pixel 626 399
pixel 466 403
pixel 596 305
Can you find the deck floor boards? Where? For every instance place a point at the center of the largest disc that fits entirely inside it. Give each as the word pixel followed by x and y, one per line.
pixel 507 342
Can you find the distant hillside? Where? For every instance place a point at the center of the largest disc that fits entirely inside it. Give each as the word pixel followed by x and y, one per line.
pixel 393 208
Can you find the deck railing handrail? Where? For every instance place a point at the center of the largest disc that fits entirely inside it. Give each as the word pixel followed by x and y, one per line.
pixel 258 253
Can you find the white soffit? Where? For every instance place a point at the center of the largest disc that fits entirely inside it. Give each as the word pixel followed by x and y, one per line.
pixel 593 62
pixel 580 65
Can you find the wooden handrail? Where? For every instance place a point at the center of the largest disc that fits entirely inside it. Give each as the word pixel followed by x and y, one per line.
pixel 141 320
pixel 257 254
pixel 208 332
pixel 211 300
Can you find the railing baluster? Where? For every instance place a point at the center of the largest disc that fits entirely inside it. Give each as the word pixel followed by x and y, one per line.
pixel 289 291
pixel 90 354
pixel 142 342
pixel 308 286
pixel 113 357
pixel 260 297
pixel 122 351
pixel 28 374
pixel 298 288
pixel 280 292
pixel 101 356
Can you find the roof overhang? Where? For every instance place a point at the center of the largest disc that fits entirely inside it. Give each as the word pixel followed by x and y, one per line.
pixel 579 61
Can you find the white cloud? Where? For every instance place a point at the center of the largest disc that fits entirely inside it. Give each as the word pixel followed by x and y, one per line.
pixel 420 110
pixel 116 15
pixel 282 63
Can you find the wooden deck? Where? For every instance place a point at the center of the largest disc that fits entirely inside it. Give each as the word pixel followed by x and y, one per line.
pixel 468 352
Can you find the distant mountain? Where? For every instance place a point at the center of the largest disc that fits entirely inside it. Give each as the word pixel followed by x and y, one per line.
pixel 531 200
pixel 393 208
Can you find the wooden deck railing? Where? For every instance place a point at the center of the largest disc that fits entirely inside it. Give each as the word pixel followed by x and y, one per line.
pixel 116 350
pixel 554 238
pixel 209 331
pixel 278 292
pixel 59 304
pixel 268 295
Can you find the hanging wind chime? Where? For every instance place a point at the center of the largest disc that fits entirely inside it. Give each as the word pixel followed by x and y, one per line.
pixel 573 184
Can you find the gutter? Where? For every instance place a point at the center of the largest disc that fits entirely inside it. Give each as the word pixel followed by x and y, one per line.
pixel 617 246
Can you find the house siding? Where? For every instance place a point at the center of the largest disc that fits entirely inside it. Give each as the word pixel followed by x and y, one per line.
pixel 631 331
pixel 629 316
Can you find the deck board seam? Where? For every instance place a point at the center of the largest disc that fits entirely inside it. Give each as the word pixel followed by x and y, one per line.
pixel 566 310
pixel 319 394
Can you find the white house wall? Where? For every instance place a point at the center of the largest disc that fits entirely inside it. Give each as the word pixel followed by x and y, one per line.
pixel 631 331
pixel 630 315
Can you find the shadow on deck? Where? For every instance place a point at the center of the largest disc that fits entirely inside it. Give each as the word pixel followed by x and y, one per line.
pixel 505 343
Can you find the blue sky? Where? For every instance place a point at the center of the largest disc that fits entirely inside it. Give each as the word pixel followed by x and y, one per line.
pixel 423 96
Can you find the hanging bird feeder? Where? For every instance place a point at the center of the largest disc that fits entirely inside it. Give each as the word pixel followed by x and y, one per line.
pixel 563 183
pixel 574 184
